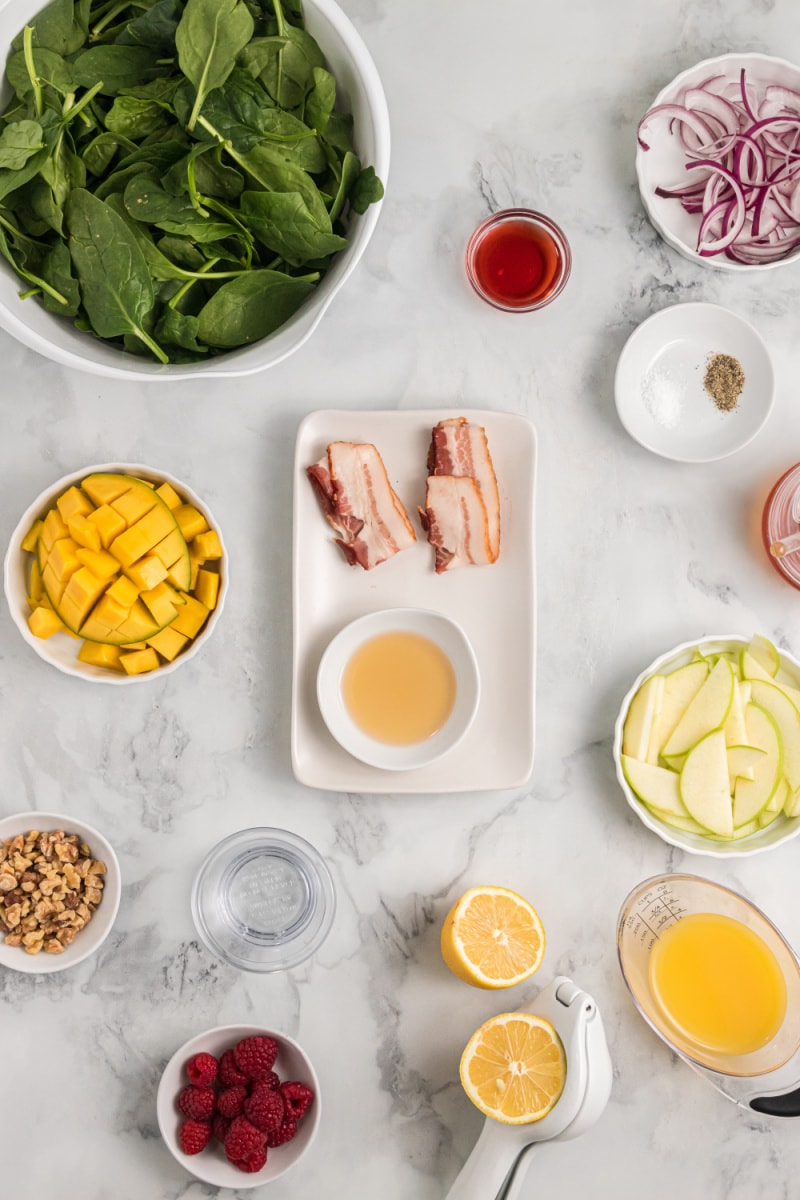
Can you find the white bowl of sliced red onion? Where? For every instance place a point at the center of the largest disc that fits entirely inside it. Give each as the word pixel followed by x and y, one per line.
pixel 718 162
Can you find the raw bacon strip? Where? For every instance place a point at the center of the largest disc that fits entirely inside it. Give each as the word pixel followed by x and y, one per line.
pixel 359 502
pixel 461 449
pixel 455 520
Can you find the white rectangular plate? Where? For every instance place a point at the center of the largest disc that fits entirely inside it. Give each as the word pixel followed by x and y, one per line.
pixel 495 604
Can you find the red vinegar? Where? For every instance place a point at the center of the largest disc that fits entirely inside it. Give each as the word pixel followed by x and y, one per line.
pixel 516 262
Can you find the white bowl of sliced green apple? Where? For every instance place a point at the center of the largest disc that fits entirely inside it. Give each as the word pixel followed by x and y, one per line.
pixel 707 746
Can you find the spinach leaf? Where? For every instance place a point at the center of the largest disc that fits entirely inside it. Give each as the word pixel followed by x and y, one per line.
pixel 214 178
pixel 63 27
pixel 146 200
pixel 161 90
pixel 50 67
pixel 350 170
pixel 267 165
pixel 320 100
pixel 251 307
pixel 116 286
pixel 282 221
pixel 209 37
pixel 56 268
pixel 117 67
pixel 367 189
pixel 179 329
pixel 155 28
pixel 134 118
pixel 19 141
pixel 285 65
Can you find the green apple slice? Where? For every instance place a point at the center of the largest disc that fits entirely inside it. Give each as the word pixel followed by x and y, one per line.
pixel 765 818
pixel 705 787
pixel 765 654
pixel 685 824
pixel 735 733
pixel 752 795
pixel 751 668
pixel 643 711
pixel 680 688
pixel 655 786
pixel 775 806
pixel 791 805
pixel 741 761
pixel 708 711
pixel 745 690
pixel 787 718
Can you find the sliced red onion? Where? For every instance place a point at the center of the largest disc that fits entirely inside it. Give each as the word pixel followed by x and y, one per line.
pixel 746 138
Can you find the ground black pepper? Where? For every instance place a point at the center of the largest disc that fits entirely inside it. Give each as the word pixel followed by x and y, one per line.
pixel 724 380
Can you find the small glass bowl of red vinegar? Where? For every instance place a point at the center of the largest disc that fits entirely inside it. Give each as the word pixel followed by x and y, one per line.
pixel 518 260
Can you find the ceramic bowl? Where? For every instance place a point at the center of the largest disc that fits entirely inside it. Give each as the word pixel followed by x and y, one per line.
pixel 450 638
pixel 61 650
pixel 211 1165
pixel 659 391
pixel 664 164
pixel 781 830
pixel 360 90
pixel 95 932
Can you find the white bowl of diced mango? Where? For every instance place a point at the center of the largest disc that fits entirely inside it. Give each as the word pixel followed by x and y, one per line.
pixel 116 574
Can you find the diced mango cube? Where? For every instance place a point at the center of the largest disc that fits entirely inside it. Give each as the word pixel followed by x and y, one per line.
pixel 109 524
pixel 140 661
pixel 53 528
pixel 80 595
pixel 136 645
pixel 124 591
pixel 98 655
pixel 191 618
pixel 110 612
pixel 84 532
pixel 143 536
pixel 53 585
pixel 146 573
pixel 206 589
pixel 101 564
pixel 168 643
pixel 190 520
pixel 138 626
pixel 43 622
pixel 32 536
pixel 102 489
pixel 158 601
pixel 169 495
pixel 195 565
pixel 36 590
pixel 171 548
pixel 62 559
pixel 74 503
pixel 207 546
pixel 95 630
pixel 134 504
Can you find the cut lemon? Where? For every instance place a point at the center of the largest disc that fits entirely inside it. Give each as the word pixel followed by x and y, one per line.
pixel 492 938
pixel 514 1068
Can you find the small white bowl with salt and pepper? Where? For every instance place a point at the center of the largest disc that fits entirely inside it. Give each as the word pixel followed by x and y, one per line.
pixel 694 383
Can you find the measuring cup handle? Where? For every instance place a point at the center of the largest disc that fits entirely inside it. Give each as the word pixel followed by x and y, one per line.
pixel 787 1105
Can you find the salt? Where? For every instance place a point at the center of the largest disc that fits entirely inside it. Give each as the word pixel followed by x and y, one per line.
pixel 662 396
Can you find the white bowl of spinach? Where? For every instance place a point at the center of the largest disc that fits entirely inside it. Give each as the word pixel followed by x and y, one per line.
pixel 184 184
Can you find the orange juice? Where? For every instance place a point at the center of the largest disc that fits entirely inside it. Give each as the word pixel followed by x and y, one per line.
pixel 718 984
pixel 399 688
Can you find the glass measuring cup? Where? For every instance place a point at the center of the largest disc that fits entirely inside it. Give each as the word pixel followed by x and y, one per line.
pixel 766 1079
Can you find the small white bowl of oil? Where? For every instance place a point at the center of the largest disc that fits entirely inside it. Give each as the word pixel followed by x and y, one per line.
pixel 399 688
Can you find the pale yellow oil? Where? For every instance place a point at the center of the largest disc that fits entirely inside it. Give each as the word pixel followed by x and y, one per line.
pixel 399 688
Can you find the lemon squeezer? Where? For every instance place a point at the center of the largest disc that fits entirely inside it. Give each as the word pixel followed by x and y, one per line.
pixel 500 1158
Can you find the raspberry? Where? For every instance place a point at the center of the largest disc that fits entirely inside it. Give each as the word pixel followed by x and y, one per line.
pixel 243 1140
pixel 255 1056
pixel 202 1069
pixel 229 1073
pixel 230 1103
pixel 264 1108
pixel 297 1098
pixel 194 1136
pixel 271 1081
pixel 254 1161
pixel 285 1134
pixel 198 1103
pixel 220 1126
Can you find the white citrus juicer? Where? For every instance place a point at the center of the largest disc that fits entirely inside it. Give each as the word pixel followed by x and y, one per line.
pixel 767 1079
pixel 499 1161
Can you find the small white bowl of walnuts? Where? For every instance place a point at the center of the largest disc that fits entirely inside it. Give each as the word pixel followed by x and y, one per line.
pixel 60 889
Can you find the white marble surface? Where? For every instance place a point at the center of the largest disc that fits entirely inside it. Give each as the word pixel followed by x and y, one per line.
pixel 491 106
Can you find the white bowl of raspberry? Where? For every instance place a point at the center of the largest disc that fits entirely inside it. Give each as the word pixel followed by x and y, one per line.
pixel 238 1105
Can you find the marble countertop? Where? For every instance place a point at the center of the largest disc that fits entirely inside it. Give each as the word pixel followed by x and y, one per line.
pixel 491 107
